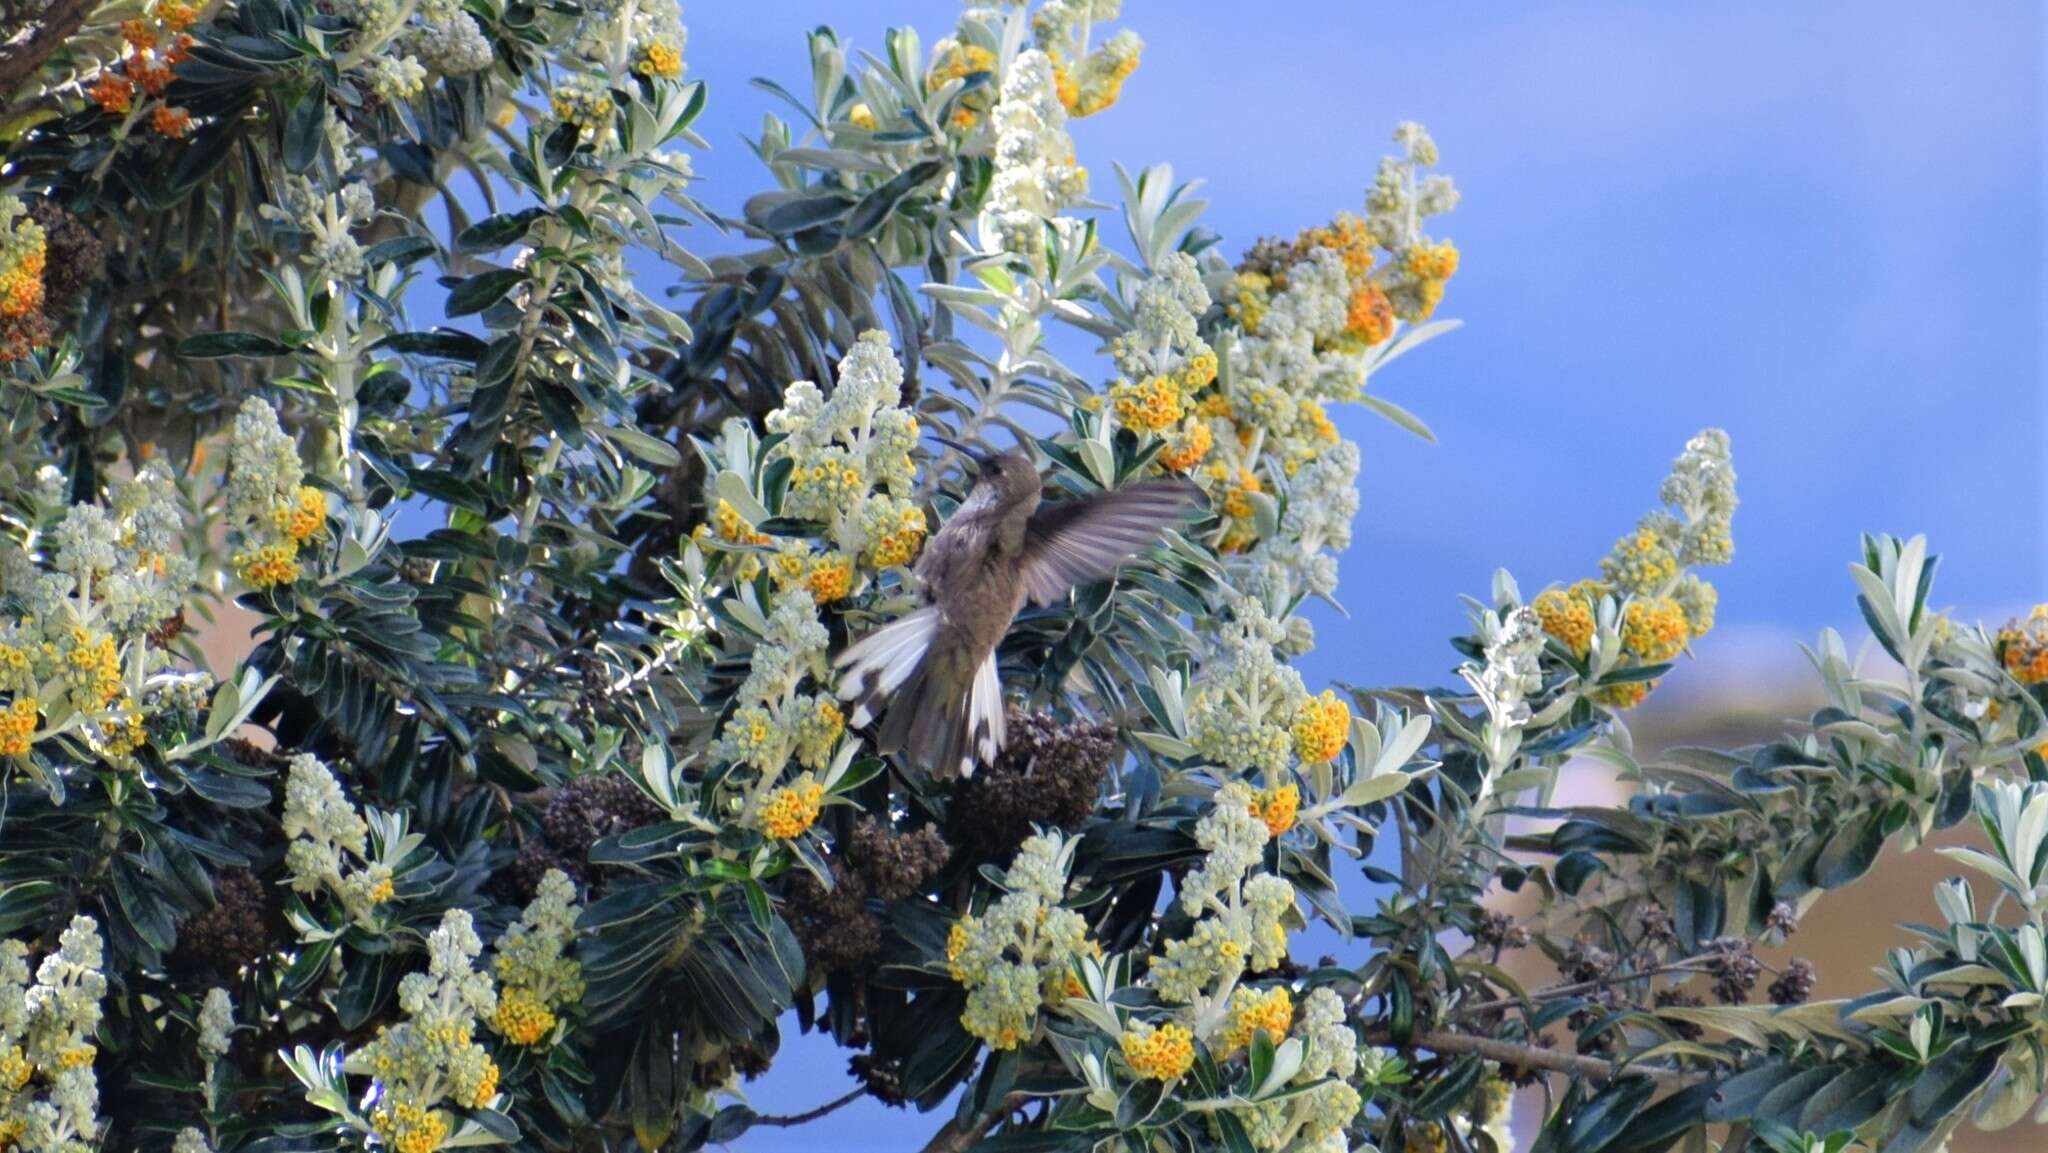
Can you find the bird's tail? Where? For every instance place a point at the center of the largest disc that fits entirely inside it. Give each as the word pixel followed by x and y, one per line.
pixel 946 727
pixel 873 669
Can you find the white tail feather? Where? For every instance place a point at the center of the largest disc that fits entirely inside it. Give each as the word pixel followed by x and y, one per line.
pixel 984 718
pixel 880 662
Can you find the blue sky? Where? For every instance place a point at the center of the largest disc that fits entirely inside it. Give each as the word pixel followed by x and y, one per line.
pixel 1819 226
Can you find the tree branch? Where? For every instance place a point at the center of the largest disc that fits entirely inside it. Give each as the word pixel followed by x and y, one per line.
pixel 21 57
pixel 1685 965
pixel 1510 1053
pixel 785 1120
pixel 953 1137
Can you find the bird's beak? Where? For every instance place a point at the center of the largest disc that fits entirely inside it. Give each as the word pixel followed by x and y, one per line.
pixel 974 455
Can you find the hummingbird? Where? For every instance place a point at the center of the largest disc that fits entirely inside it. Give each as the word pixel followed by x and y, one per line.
pixel 931 675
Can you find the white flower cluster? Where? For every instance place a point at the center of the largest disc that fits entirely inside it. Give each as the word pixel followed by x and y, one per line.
pixel 216 1024
pixel 1314 317
pixel 775 722
pixel 1035 174
pixel 329 848
pixel 80 658
pixel 1298 560
pixel 449 40
pixel 1242 707
pixel 269 504
pixel 851 468
pixel 1241 923
pixel 431 1060
pixel 1017 956
pixel 49 1095
pixel 328 216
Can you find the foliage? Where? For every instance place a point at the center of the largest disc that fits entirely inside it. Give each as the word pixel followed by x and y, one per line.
pixel 531 817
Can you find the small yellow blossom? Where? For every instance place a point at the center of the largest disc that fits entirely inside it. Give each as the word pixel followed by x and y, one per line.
pixel 1369 315
pixel 1322 728
pixel 1250 1013
pixel 661 59
pixel 1162 1054
pixel 830 577
pixel 1278 806
pixel 1566 615
pixel 2022 646
pixel 861 116
pixel 790 810
pixel 305 517
pixel 1626 695
pixel 272 564
pixel 1186 449
pixel 17 726
pixel 1152 405
pixel 1655 629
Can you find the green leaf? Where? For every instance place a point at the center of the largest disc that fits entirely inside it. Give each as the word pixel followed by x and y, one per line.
pixel 213 345
pixel 495 232
pixel 476 293
pixel 305 130
pixel 875 207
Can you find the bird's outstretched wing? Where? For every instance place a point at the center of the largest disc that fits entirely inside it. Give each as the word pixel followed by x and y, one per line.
pixel 1077 541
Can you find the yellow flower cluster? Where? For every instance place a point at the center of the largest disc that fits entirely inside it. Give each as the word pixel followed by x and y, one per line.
pixel 1313 317
pixel 1664 605
pixel 431 1059
pixel 18 726
pixel 1152 405
pixel 1086 80
pixel 47 1084
pixel 1277 807
pixel 278 514
pixel 1654 629
pixel 851 471
pixel 1567 614
pixel 1271 1012
pixel 953 60
pixel 1186 448
pixel 105 578
pixel 535 977
pixel 589 107
pixel 2022 647
pixel 24 252
pixel 661 59
pixel 791 810
pixel 1164 1053
pixel 1322 728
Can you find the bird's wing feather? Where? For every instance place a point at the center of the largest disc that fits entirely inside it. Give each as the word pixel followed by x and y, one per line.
pixel 1077 541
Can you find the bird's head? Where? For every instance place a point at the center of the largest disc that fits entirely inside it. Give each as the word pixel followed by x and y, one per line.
pixel 1011 477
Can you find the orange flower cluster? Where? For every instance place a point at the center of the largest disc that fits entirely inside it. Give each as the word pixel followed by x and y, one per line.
pixel 156 44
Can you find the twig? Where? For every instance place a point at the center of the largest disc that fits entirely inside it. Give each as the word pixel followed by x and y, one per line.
pixel 785 1120
pixel 1681 966
pixel 953 1137
pixel 1514 1054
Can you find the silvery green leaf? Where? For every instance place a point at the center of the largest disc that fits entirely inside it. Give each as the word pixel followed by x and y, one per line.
pixel 1398 415
pixel 734 490
pixel 1287 1059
